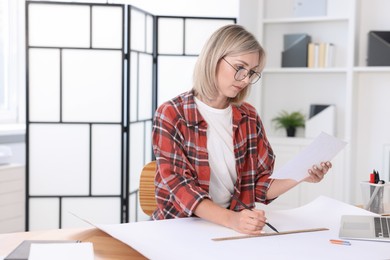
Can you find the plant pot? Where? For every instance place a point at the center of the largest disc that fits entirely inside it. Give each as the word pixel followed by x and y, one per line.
pixel 291 131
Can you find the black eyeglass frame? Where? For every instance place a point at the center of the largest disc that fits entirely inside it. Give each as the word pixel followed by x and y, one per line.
pixel 249 73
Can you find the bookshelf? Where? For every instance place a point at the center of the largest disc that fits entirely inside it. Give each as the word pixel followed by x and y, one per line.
pixel 318 85
pixel 360 93
pixel 331 85
pixel 371 96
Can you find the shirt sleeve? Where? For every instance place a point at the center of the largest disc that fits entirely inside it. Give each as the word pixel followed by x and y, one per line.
pixel 266 160
pixel 177 188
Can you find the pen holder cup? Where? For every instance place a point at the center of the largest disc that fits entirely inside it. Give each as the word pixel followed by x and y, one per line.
pixel 376 197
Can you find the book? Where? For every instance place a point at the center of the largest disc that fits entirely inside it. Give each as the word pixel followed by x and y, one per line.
pixel 329 52
pixel 313 55
pixel 320 55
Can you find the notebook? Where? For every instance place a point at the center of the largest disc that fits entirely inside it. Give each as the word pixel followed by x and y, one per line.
pixel 22 251
pixel 375 228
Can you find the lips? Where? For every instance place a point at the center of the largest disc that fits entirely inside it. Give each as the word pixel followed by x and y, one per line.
pixel 238 87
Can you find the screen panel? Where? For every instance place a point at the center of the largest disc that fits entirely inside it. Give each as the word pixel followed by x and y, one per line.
pixel 168 67
pixel 148 141
pixel 106 159
pixel 145 69
pixel 149 34
pixel 137 153
pixel 48 220
pixel 59 159
pixel 133 71
pixel 198 31
pixel 107 27
pixel 170 36
pixel 44 85
pixel 70 148
pixel 92 85
pixel 50 26
pixel 92 209
pixel 133 206
pixel 137 30
pixel 142 84
pixel 140 154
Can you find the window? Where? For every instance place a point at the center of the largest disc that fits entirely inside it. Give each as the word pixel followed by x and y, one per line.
pixel 9 60
pixel 3 58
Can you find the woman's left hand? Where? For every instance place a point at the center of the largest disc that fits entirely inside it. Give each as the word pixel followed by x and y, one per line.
pixel 317 173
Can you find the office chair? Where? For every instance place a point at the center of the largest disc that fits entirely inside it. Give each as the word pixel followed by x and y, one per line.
pixel 147 197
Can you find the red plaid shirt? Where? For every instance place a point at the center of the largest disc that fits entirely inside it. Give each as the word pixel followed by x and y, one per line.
pixel 183 173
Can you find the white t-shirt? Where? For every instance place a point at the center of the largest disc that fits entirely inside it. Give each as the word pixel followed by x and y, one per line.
pixel 221 152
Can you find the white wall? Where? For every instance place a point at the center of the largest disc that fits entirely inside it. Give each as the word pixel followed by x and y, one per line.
pixel 248 17
pixel 372 97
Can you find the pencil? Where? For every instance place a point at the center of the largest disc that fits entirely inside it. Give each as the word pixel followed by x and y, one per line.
pixel 245 206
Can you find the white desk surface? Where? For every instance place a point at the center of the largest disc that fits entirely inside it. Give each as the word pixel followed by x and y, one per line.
pixel 191 238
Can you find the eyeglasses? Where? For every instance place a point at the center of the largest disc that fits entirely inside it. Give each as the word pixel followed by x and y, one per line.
pixel 242 73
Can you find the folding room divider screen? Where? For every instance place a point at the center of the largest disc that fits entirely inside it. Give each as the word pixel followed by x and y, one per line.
pixel 95 74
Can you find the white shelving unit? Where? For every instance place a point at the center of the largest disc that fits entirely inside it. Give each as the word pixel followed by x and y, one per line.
pixel 317 85
pixel 12 198
pixel 361 94
pixel 295 89
pixel 371 95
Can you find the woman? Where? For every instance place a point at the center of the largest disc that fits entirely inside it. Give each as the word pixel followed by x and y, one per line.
pixel 210 146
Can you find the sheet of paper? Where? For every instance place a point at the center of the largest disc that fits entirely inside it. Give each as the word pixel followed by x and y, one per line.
pixel 62 251
pixel 191 238
pixel 322 149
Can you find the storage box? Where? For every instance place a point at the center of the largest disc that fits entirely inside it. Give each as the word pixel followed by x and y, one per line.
pixel 376 197
pixel 378 48
pixel 322 121
pixel 295 50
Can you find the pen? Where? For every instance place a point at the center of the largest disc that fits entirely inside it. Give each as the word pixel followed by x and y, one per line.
pixel 340 242
pixel 245 206
pixel 376 176
pixel 372 177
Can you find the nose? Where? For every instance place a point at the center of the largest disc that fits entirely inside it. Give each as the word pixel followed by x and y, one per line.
pixel 246 79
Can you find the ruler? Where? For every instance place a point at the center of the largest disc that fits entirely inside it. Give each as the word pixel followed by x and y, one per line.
pixel 270 234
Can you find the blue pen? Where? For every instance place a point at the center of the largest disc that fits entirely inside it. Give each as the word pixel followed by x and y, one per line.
pixel 340 242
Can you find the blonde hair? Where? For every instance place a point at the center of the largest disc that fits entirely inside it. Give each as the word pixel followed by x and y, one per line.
pixel 228 40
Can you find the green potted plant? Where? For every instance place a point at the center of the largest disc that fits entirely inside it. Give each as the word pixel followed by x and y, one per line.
pixel 289 121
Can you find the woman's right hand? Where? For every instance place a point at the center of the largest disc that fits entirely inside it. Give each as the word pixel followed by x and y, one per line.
pixel 250 222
